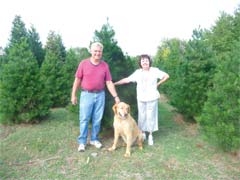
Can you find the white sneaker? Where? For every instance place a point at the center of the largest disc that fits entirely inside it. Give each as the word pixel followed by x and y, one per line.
pixel 150 140
pixel 81 148
pixel 96 143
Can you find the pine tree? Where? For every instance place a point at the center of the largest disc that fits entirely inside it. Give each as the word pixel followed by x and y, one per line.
pixel 220 119
pixel 195 75
pixel 52 73
pixel 119 66
pixel 36 45
pixel 18 31
pixel 21 99
pixel 191 68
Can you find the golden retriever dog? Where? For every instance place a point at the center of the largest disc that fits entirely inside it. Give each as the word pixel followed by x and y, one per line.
pixel 126 127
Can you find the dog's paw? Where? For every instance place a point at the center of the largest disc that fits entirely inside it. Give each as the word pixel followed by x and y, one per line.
pixel 111 149
pixel 127 155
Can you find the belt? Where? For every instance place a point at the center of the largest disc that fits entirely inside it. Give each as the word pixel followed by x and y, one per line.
pixel 92 91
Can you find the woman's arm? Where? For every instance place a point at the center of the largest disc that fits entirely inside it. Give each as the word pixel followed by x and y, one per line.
pixel 122 81
pixel 165 77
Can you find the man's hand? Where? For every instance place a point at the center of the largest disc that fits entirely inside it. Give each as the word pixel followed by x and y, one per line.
pixel 117 100
pixel 74 100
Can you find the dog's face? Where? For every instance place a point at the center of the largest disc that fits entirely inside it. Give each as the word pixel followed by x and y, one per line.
pixel 121 109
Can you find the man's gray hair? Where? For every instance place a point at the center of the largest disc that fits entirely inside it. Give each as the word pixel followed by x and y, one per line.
pixel 94 44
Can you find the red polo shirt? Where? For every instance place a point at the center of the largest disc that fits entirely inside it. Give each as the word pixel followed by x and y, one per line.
pixel 93 77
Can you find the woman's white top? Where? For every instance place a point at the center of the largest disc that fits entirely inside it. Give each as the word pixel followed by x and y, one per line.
pixel 147 83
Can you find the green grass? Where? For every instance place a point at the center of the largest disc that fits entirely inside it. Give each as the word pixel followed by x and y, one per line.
pixel 49 151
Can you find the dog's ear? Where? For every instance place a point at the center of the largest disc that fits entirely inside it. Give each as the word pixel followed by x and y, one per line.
pixel 114 108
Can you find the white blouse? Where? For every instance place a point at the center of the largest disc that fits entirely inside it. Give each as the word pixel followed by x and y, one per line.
pixel 147 83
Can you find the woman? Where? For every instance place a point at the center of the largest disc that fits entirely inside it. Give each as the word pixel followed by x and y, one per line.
pixel 147 78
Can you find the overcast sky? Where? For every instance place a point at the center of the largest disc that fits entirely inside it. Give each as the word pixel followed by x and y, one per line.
pixel 140 25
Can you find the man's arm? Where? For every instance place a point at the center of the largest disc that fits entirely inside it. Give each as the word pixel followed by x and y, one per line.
pixel 76 85
pixel 112 90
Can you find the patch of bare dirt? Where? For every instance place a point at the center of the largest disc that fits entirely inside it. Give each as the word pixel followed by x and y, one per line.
pixel 236 154
pixel 192 129
pixel 179 119
pixel 163 98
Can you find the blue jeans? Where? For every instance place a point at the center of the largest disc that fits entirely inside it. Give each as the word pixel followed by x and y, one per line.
pixel 91 108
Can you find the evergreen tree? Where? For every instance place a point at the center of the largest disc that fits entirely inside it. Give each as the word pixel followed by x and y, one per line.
pixel 70 66
pixel 112 52
pixel 220 118
pixel 196 74
pixel 190 65
pixel 169 57
pixel 80 53
pixel 222 35
pixel 52 73
pixel 21 99
pixel 36 45
pixel 18 31
pixel 3 57
pixel 236 25
pixel 72 61
pixel 120 67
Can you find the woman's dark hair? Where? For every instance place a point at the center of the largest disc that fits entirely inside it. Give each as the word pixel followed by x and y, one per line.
pixel 143 56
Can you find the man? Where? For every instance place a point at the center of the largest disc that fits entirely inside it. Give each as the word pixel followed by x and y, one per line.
pixel 91 76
